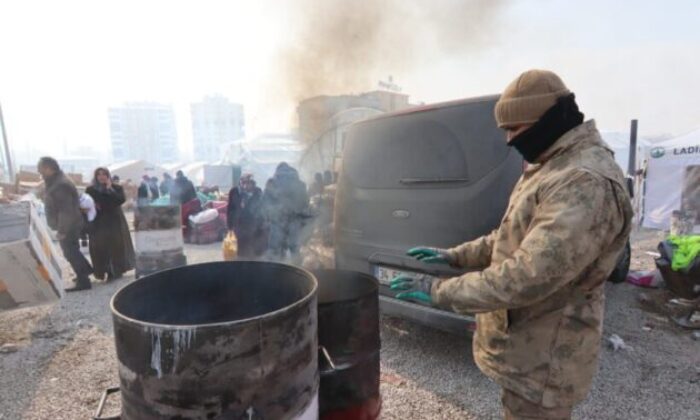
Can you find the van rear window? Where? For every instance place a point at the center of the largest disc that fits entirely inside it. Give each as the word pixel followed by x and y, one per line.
pixel 396 153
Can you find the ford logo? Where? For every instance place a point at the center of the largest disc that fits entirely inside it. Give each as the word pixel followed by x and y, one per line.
pixel 401 214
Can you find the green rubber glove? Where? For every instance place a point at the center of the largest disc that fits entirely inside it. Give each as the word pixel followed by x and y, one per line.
pixel 413 288
pixel 431 255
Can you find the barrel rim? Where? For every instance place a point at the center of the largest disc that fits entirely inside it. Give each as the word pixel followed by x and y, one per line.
pixel 300 302
pixel 330 271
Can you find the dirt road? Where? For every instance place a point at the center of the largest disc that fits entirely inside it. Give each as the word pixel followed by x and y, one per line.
pixel 57 359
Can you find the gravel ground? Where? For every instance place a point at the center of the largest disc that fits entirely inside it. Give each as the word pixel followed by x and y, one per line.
pixel 56 360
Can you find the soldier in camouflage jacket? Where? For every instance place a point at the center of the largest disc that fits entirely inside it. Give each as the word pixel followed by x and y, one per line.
pixel 538 285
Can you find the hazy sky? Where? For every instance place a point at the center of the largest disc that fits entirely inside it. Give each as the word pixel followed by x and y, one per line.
pixel 63 63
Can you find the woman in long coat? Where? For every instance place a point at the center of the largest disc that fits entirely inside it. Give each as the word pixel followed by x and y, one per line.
pixel 111 249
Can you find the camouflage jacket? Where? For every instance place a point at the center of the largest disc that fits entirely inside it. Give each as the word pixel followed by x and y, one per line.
pixel 539 292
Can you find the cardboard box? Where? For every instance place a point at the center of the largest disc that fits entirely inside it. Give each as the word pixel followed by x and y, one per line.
pixel 30 264
pixel 8 190
pixel 76 179
pixel 29 182
pixel 27 176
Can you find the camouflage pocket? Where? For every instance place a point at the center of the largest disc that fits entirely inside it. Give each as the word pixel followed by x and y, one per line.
pixel 495 321
pixel 492 341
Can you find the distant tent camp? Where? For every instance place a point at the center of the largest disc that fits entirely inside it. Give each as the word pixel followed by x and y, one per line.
pixel 222 175
pixel 171 168
pixel 261 155
pixel 672 180
pixel 135 170
pixel 194 171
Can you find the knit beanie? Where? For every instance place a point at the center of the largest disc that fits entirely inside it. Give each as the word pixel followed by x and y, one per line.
pixel 528 97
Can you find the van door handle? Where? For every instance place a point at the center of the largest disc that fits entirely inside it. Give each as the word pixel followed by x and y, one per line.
pixel 353 233
pixel 432 180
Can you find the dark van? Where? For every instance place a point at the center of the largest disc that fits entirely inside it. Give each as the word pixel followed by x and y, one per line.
pixel 436 175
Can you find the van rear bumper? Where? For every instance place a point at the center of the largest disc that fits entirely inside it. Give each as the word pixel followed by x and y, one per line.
pixel 430 317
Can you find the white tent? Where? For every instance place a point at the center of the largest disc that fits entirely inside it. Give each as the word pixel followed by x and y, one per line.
pixel 221 175
pixel 195 172
pixel 134 170
pixel 171 168
pixel 672 179
pixel 261 155
pixel 192 170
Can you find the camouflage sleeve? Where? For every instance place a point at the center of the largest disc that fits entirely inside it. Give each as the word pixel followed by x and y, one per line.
pixel 570 226
pixel 475 254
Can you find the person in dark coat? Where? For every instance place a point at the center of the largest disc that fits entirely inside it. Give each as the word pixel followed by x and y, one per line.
pixel 286 205
pixel 317 187
pixel 182 190
pixel 153 187
pixel 245 217
pixel 111 249
pixel 166 185
pixel 328 178
pixel 272 211
pixel 143 194
pixel 62 206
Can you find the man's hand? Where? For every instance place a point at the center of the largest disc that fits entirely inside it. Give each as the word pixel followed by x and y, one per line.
pixel 431 255
pixel 413 288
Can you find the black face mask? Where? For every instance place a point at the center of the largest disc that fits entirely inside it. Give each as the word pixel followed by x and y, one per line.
pixel 560 118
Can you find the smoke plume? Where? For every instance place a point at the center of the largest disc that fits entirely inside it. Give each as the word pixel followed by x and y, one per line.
pixel 343 46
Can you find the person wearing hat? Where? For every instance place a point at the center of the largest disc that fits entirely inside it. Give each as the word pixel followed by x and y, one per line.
pixel 538 280
pixel 245 218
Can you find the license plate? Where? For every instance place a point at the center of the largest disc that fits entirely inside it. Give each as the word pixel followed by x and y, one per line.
pixel 385 274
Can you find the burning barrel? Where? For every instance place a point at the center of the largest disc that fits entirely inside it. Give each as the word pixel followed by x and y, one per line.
pixel 224 340
pixel 348 335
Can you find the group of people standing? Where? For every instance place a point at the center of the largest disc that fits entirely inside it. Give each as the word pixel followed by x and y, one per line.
pixel 148 190
pixel 269 222
pixel 180 190
pixel 266 223
pixel 98 214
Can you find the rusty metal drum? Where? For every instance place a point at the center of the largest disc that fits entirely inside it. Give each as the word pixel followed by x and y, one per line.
pixel 348 335
pixel 224 340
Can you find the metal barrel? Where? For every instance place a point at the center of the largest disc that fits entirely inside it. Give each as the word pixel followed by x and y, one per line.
pixel 348 335
pixel 223 340
pixel 158 237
